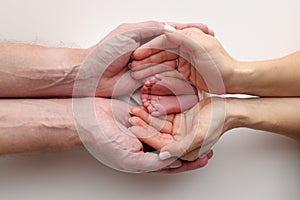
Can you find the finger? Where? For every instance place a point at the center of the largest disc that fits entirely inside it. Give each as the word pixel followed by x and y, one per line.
pixel 184 68
pixel 206 146
pixel 160 57
pixel 143 30
pixel 186 166
pixel 210 154
pixel 200 26
pixel 142 162
pixel 195 154
pixel 153 70
pixel 150 136
pixel 174 165
pixel 179 127
pixel 181 40
pixel 211 32
pixel 169 117
pixel 155 46
pixel 173 74
pixel 159 124
pixel 180 147
pixel 191 156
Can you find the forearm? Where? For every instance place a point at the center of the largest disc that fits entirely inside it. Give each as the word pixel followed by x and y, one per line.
pixel 32 71
pixel 277 115
pixel 36 125
pixel 278 77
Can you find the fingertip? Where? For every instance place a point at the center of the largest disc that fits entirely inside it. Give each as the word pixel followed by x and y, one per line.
pixel 175 164
pixel 134 110
pixel 135 55
pixel 169 28
pixel 164 155
pixel 211 32
pixel 210 154
pixel 130 65
pixel 135 121
pixel 202 162
pixel 140 54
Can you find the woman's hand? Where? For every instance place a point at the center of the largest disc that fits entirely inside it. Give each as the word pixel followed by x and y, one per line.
pixel 202 59
pixel 187 135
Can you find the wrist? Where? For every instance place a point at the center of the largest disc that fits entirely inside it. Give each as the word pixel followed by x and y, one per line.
pixel 237 114
pixel 64 74
pixel 241 73
pixel 75 57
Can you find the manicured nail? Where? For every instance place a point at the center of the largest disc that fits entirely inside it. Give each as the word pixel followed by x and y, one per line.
pixel 175 165
pixel 169 28
pixel 164 155
pixel 130 121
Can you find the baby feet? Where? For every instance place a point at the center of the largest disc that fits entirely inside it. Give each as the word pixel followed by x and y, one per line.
pixel 164 95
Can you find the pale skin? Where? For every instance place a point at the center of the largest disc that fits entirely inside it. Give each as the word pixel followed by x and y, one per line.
pixel 164 95
pixel 277 115
pixel 32 125
pixel 277 77
pixel 35 71
pixel 208 62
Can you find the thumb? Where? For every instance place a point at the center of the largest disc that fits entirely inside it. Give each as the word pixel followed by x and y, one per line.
pixel 182 40
pixel 178 148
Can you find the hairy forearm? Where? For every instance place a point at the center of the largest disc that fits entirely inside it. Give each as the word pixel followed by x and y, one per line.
pixel 34 71
pixel 278 77
pixel 36 125
pixel 277 115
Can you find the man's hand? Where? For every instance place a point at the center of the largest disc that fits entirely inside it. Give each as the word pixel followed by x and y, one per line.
pixel 104 132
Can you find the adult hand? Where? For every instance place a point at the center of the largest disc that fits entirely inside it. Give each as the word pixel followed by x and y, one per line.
pixel 186 135
pixel 102 125
pixel 202 59
pixel 107 63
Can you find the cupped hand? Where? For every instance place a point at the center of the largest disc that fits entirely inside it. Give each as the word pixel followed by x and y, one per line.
pixel 107 64
pixel 102 125
pixel 201 59
pixel 186 135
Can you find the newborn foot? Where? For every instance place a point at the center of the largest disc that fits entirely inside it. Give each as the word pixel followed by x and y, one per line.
pixel 163 105
pixel 166 95
pixel 162 86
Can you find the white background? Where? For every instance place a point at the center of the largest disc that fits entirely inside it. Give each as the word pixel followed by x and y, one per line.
pixel 247 164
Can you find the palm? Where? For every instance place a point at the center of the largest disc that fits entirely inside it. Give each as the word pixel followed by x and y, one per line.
pixel 103 127
pixel 106 67
pixel 199 128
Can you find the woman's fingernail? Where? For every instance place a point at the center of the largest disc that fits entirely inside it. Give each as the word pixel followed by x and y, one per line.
pixel 175 165
pixel 169 28
pixel 129 65
pixel 130 121
pixel 164 155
